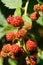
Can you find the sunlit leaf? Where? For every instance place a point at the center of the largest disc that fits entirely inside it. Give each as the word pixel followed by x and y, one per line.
pixel 40 19
pixel 40 1
pixel 26 19
pixel 2 19
pixel 12 62
pixel 4 30
pixel 12 3
pixel 17 12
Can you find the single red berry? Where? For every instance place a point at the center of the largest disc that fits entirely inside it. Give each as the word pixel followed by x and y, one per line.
pixel 10 36
pixel 32 61
pixel 36 7
pixel 6 48
pixel 41 8
pixel 15 21
pixel 30 45
pixel 15 49
pixel 21 33
pixel 34 16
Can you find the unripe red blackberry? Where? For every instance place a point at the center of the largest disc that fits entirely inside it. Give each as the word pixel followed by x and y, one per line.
pixel 15 49
pixel 30 45
pixel 32 61
pixel 36 7
pixel 6 48
pixel 10 36
pixel 41 8
pixel 21 33
pixel 34 16
pixel 27 26
pixel 15 21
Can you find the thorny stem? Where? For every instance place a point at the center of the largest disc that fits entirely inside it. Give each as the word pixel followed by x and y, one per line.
pixel 26 6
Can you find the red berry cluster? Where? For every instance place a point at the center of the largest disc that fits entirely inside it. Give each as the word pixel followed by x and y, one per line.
pixel 18 21
pixel 36 7
pixel 15 21
pixel 12 50
pixel 15 50
pixel 31 47
pixel 11 36
pixel 35 14
pixel 5 50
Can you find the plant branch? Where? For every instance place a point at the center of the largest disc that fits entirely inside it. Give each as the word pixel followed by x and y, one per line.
pixel 26 6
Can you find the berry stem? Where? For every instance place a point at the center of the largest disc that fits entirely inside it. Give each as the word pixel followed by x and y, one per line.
pixel 26 6
pixel 18 43
pixel 23 8
pixel 12 41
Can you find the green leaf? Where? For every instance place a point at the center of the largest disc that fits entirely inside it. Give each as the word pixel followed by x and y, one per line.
pixel 1 61
pixel 1 29
pixel 40 13
pixel 2 19
pixel 11 4
pixel 26 19
pixel 40 19
pixel 40 1
pixel 41 56
pixel 38 59
pixel 10 28
pixel 4 30
pixel 13 62
pixel 17 12
pixel 1 33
